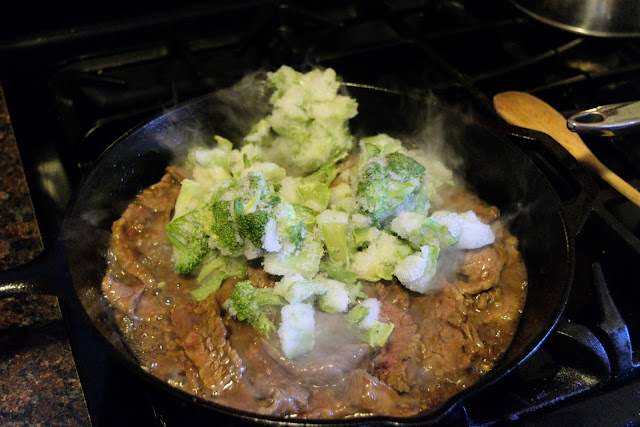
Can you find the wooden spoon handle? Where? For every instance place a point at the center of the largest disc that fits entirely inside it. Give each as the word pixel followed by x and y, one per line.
pixel 526 111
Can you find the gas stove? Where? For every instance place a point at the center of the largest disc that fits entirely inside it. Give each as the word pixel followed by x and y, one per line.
pixel 74 87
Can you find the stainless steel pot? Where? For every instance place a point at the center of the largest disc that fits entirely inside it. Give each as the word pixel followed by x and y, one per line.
pixel 600 18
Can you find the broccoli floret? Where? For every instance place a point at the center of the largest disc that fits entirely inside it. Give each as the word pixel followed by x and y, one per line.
pixel 254 212
pixel 191 195
pixel 289 226
pixel 305 260
pixel 466 228
pixel 256 193
pixel 214 271
pixel 333 225
pixel 295 288
pixel 378 260
pixel 373 189
pixel 419 230
pixel 252 226
pixel 247 304
pixel 378 194
pixel 311 191
pixel 380 146
pixel 297 329
pixel 308 125
pixel 417 270
pixel 335 296
pixel 338 272
pixel 331 295
pixel 389 181
pixel 378 334
pixel 365 317
pixel 190 242
pixel 405 167
pixel 222 228
pixel 306 215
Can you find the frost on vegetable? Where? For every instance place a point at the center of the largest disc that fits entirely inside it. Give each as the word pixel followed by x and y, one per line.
pixel 365 318
pixel 305 260
pixel 330 295
pixel 297 329
pixel 378 260
pixel 389 181
pixel 417 270
pixel 471 233
pixel 308 126
pixel 311 191
pixel 420 230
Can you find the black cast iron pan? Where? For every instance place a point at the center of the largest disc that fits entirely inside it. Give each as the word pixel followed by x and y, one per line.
pixel 494 168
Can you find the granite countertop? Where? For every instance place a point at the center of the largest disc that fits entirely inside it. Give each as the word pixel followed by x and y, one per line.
pixel 39 383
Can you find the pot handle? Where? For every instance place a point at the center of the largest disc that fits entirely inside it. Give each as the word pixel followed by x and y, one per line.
pixel 606 119
pixel 38 276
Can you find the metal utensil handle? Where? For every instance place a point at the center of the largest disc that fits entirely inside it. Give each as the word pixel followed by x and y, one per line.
pixel 606 118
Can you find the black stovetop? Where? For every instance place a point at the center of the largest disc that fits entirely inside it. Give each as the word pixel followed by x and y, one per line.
pixel 76 82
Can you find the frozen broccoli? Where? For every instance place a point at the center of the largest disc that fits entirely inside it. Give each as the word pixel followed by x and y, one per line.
pixel 305 260
pixel 469 231
pixel 331 295
pixel 295 288
pixel 210 166
pixel 338 272
pixel 254 212
pixel 191 195
pixel 348 278
pixel 379 145
pixel 333 225
pixel 311 191
pixel 342 198
pixel 214 271
pixel 290 227
pixel 297 329
pixel 335 296
pixel 404 167
pixel 365 317
pixel 420 230
pixel 378 260
pixel 417 270
pixel 189 240
pixel 222 230
pixel 308 125
pixel 389 181
pixel 306 215
pixel 248 304
pixel 365 314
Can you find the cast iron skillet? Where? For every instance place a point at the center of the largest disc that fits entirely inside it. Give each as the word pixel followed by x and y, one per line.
pixel 493 167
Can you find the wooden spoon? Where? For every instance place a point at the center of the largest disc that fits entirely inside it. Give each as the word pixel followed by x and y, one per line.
pixel 526 111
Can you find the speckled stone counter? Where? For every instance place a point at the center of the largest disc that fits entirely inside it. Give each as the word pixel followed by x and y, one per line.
pixel 39 384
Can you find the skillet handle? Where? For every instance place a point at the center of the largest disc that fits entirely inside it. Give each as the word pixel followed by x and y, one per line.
pixel 38 276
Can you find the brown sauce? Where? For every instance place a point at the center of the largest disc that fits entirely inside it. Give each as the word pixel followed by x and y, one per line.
pixel 442 343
